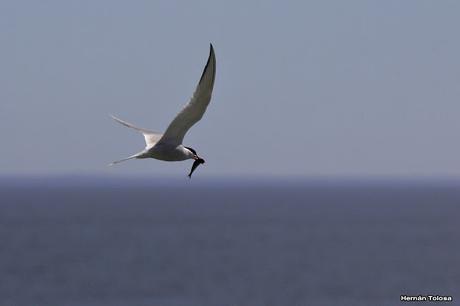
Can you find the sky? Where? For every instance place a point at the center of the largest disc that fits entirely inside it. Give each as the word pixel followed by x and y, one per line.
pixel 303 88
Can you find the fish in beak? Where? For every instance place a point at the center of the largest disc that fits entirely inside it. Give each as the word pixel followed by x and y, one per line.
pixel 196 163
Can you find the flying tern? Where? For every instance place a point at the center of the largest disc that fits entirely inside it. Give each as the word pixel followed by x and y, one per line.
pixel 168 146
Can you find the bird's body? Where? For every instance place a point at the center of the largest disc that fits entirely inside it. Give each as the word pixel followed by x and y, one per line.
pixel 168 146
pixel 168 152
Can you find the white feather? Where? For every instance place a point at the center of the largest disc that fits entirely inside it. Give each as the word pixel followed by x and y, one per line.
pixel 193 111
pixel 150 137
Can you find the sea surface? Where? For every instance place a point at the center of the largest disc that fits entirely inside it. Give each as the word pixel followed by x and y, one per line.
pixel 211 242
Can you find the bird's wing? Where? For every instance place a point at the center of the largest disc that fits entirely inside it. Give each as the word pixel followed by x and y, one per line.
pixel 193 111
pixel 151 137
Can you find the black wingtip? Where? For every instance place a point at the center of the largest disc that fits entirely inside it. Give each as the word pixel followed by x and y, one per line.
pixel 211 49
pixel 211 58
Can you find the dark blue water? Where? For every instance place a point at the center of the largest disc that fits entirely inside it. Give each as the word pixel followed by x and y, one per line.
pixel 230 243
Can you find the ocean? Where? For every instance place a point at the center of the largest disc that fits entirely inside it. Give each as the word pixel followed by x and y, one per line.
pixel 217 242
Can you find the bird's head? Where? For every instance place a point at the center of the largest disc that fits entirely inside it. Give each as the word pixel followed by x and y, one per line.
pixel 193 155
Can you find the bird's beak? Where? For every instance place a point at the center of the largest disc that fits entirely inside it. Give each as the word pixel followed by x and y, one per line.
pixel 196 157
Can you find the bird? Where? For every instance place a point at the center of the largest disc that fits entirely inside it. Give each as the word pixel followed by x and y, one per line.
pixel 169 145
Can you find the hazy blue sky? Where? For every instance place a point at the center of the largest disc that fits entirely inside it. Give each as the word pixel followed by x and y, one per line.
pixel 302 88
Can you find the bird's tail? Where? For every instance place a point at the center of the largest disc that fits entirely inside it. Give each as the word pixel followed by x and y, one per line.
pixel 125 159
